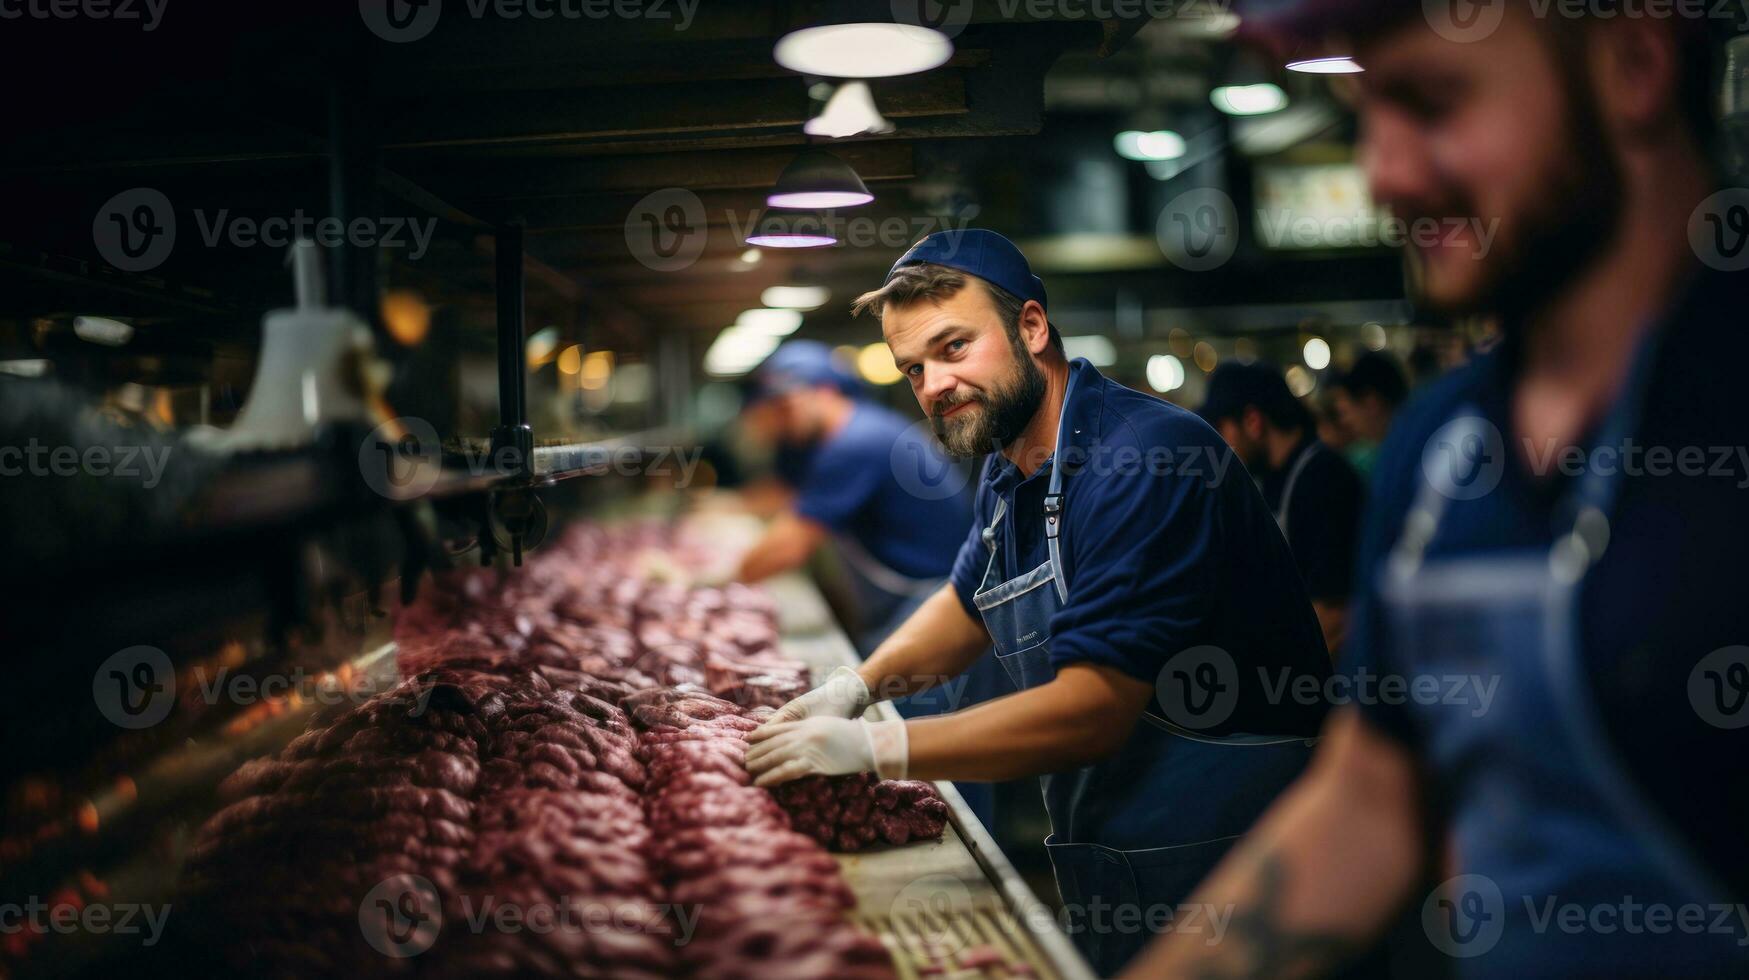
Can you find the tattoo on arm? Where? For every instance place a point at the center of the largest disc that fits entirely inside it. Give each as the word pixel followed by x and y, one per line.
pixel 1257 943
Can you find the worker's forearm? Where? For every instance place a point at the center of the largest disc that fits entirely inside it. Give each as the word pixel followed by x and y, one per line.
pixel 937 643
pixel 1333 620
pixel 786 544
pixel 1314 882
pixel 1039 730
pixel 770 557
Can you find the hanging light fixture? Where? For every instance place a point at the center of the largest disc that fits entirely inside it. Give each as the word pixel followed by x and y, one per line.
pixel 1158 144
pixel 1334 65
pixel 869 50
pixel 795 297
pixel 777 323
pixel 792 231
pixel 1254 99
pixel 817 179
pixel 849 112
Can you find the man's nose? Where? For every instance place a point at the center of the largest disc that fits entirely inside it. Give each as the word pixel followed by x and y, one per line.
pixel 1395 157
pixel 937 381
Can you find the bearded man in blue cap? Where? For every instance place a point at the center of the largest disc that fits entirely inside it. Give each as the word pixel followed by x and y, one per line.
pixel 1114 537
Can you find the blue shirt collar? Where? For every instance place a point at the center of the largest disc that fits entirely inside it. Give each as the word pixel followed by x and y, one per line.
pixel 1082 411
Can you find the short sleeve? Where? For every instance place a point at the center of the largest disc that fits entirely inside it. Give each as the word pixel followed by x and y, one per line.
pixel 1136 594
pixel 838 483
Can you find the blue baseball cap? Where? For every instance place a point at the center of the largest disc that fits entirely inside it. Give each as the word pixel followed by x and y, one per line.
pixel 799 364
pixel 977 252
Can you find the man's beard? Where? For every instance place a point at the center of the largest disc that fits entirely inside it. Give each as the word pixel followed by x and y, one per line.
pixel 1006 411
pixel 1570 218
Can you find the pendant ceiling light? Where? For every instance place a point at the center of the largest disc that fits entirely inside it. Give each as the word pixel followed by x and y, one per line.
pixel 850 112
pixel 870 50
pixel 797 297
pixel 817 179
pixel 803 230
pixel 1335 65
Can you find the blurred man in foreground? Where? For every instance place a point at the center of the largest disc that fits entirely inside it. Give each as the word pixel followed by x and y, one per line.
pixel 1552 594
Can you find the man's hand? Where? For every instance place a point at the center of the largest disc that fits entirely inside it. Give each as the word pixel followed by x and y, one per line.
pixel 826 747
pixel 844 695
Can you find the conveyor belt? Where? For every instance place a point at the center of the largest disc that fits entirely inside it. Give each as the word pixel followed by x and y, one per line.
pixel 933 902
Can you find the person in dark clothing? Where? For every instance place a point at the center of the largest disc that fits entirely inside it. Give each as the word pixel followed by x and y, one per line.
pixel 1366 398
pixel 1315 495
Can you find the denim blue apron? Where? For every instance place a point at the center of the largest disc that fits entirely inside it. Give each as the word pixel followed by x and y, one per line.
pixel 1542 818
pixel 1132 835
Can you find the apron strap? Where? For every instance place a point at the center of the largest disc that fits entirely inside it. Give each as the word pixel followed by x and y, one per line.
pixel 878 573
pixel 1293 477
pixel 1054 493
pixel 1053 529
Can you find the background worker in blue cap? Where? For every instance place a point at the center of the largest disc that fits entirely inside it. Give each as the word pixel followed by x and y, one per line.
pixel 1532 528
pixel 1315 495
pixel 836 452
pixel 1113 533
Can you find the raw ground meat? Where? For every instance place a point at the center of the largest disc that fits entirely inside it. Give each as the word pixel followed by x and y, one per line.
pixel 574 733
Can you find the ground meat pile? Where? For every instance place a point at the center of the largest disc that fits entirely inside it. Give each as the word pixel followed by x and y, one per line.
pixel 849 813
pixel 555 789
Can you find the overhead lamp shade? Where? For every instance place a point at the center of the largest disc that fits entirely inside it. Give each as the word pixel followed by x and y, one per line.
pixel 1332 65
pixel 816 179
pixel 790 240
pixel 796 297
pixel 867 50
pixel 850 112
pixel 806 230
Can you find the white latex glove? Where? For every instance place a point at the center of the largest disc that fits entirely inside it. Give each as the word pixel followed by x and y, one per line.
pixel 844 695
pixel 827 747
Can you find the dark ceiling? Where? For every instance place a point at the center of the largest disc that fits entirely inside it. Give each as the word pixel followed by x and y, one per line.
pixel 565 125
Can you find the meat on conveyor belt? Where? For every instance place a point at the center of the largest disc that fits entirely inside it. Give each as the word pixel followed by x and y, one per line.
pixel 568 736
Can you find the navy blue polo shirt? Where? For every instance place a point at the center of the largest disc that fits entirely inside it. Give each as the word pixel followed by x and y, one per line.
pixel 851 483
pixel 1166 545
pixel 1670 588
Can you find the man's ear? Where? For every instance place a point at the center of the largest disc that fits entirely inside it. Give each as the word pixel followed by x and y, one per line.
pixel 1638 78
pixel 1035 327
